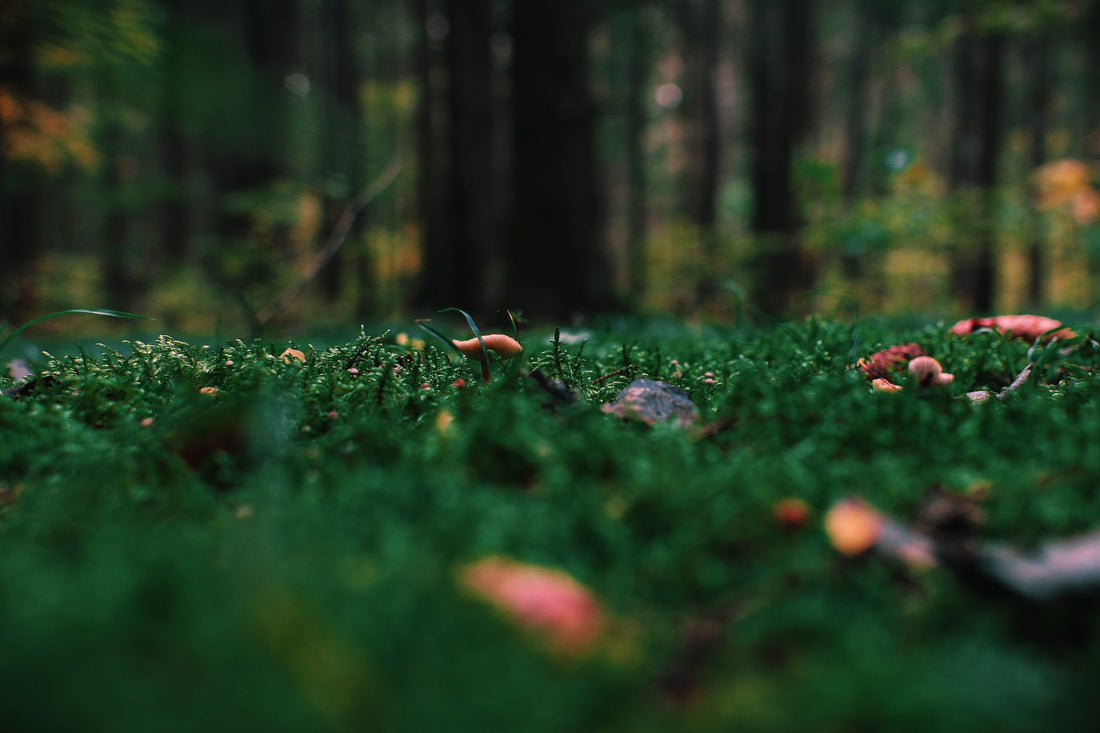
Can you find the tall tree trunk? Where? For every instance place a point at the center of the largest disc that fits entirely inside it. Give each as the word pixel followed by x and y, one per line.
pixel 432 158
pixel 458 154
pixel 701 25
pixel 1090 79
pixel 115 258
pixel 269 31
pixel 862 35
pixel 779 71
pixel 20 229
pixel 556 264
pixel 1037 56
pixel 470 205
pixel 636 205
pixel 975 150
pixel 174 217
pixel 343 140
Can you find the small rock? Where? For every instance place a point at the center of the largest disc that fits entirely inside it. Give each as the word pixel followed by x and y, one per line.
pixel 653 402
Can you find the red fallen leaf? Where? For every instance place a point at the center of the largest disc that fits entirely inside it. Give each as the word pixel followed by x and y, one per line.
pixel 543 600
pixel 1025 327
pixel 879 364
pixel 652 402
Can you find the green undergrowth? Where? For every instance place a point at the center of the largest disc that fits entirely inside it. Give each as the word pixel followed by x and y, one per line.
pixel 228 537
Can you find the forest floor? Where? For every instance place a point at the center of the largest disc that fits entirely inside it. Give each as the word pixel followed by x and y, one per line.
pixel 271 536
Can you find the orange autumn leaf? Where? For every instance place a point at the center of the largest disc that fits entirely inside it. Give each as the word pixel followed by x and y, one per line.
pixel 852 527
pixel 545 601
pixel 1027 327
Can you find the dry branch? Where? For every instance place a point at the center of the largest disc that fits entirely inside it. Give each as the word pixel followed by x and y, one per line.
pixel 332 245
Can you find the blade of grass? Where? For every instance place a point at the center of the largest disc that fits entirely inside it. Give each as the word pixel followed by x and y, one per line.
pixel 477 333
pixel 439 335
pixel 72 311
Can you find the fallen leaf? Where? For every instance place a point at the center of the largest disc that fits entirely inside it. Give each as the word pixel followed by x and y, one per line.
pixel 653 402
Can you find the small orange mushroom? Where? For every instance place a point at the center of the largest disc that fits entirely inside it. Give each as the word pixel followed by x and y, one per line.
pixel 500 343
pixel 852 526
pixel 791 513
pixel 1026 327
pixel 546 601
pixel 927 372
pixel 289 354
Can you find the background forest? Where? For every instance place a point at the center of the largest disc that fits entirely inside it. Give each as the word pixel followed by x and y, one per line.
pixel 291 163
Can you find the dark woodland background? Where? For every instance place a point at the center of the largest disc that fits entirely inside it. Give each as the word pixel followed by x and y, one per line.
pixel 293 162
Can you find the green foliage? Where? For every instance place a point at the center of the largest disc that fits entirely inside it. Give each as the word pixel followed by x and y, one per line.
pixel 238 536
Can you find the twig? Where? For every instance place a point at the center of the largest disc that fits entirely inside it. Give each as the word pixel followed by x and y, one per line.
pixel 332 245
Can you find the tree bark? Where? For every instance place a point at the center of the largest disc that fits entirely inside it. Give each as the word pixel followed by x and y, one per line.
pixel 343 143
pixel 636 99
pixel 458 186
pixel 976 146
pixel 20 224
pixel 779 71
pixel 1037 56
pixel 555 265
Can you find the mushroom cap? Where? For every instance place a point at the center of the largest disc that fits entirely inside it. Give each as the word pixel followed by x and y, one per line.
pixel 501 343
pixel 927 372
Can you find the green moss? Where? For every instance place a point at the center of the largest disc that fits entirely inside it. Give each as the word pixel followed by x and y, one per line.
pixel 225 537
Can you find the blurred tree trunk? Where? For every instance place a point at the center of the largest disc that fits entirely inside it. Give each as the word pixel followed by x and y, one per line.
pixel 115 259
pixel 1037 59
pixel 1090 91
pixel 862 35
pixel 976 145
pixel 779 74
pixel 269 31
pixel 457 154
pixel 638 63
pixel 431 156
pixel 174 216
pixel 702 27
pixel 555 264
pixel 470 205
pixel 19 185
pixel 342 140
